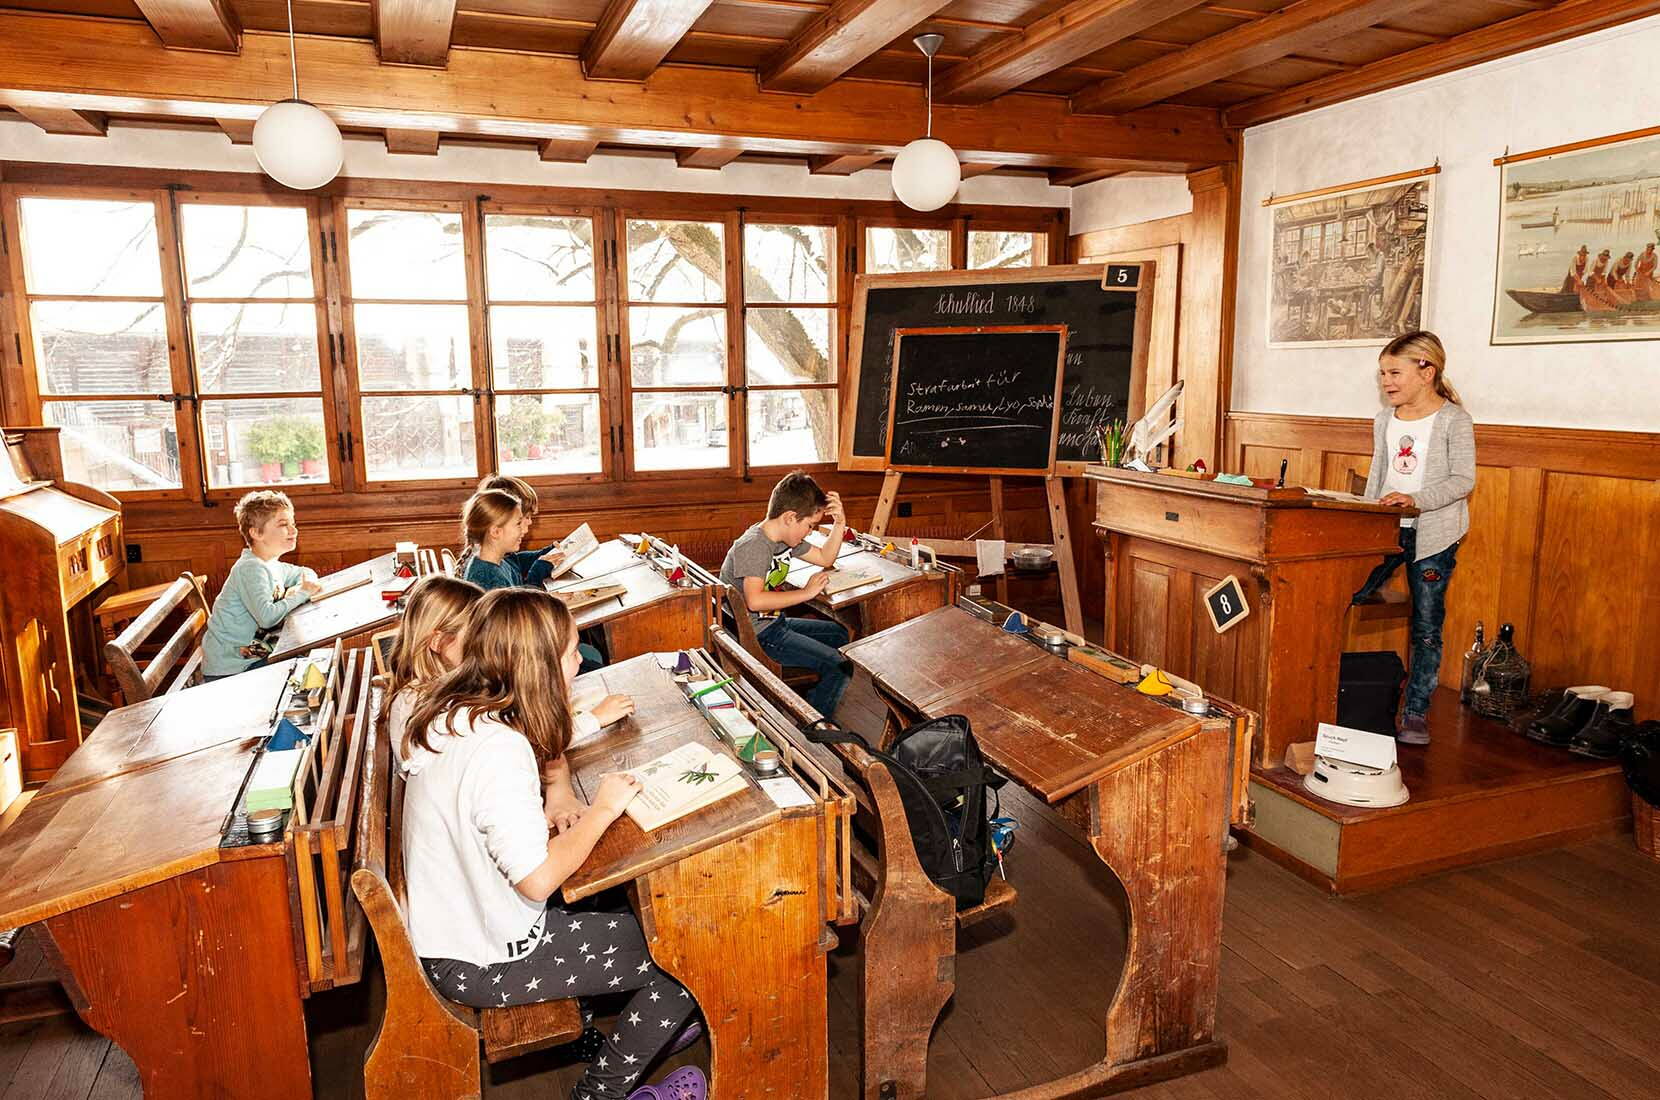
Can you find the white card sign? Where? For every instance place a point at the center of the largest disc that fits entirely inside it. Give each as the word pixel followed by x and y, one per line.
pixel 1369 750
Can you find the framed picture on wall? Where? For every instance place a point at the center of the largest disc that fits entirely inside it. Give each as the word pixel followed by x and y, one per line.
pixel 1578 232
pixel 1348 265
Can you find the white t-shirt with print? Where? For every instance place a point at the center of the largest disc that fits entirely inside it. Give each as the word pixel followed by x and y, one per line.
pixel 473 825
pixel 1408 444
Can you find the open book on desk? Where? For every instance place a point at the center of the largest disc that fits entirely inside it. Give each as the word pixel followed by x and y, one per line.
pixel 683 781
pixel 575 546
pixel 840 579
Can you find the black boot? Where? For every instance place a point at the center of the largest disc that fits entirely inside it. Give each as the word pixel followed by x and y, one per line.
pixel 1558 725
pixel 1610 724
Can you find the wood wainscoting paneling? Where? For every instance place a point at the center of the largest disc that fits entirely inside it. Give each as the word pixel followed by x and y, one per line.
pixel 1564 540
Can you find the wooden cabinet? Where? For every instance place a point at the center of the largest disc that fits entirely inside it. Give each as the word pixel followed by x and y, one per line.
pixel 62 540
pixel 1169 540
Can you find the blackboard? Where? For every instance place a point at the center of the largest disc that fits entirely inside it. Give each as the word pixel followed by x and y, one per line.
pixel 1107 327
pixel 975 399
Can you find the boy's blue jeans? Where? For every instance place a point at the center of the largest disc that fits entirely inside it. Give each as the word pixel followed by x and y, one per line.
pixel 1426 581
pixel 813 644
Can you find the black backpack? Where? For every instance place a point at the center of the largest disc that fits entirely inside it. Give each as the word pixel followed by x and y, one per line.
pixel 1640 760
pixel 942 781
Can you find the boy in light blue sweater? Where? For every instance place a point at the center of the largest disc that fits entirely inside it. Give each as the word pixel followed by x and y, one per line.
pixel 260 589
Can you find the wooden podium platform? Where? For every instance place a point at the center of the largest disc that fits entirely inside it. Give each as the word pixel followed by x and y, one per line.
pixel 1298 559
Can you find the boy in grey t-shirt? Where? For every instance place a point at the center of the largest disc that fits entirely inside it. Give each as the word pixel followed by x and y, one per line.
pixel 757 565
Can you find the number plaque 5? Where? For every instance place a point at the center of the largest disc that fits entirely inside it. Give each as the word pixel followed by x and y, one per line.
pixel 1226 605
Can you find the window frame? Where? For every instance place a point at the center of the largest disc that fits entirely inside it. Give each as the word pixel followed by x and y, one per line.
pixel 473 264
pixel 181 376
pixel 1039 234
pixel 957 239
pixel 837 305
pixel 328 365
pixel 605 329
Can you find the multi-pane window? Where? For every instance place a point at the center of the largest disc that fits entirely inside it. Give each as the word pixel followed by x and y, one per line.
pixel 92 273
pixel 893 249
pixel 251 300
pixel 789 341
pixel 412 329
pixel 991 248
pixel 675 306
pixel 545 362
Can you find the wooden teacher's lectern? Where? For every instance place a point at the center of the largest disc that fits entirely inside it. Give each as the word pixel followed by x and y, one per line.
pixel 1298 559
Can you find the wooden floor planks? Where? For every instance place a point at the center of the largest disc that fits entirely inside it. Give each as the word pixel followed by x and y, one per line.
pixel 1533 978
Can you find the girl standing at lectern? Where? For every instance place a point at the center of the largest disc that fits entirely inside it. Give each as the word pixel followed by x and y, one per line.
pixel 1423 457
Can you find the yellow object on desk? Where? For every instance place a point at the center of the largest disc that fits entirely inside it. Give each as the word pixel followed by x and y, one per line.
pixel 1155 683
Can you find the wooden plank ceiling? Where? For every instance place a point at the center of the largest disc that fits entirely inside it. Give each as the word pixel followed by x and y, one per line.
pixel 1077 89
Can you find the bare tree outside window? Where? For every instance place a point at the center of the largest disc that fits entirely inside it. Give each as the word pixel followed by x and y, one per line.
pixel 891 250
pixel 998 248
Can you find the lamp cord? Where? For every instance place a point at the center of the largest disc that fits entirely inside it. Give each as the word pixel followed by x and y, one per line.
pixel 930 92
pixel 294 67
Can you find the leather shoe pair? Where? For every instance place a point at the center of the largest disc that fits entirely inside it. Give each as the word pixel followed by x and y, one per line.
pixel 1558 725
pixel 1611 723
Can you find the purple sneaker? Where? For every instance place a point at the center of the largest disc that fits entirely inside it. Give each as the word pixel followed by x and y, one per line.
pixel 685 1037
pixel 685 1083
pixel 1414 730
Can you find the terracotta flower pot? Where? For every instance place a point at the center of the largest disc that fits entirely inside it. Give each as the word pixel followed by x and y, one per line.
pixel 270 471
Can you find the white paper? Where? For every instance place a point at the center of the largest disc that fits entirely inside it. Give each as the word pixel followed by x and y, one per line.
pixel 667 661
pixel 801 571
pixel 1369 750
pixel 785 792
pixel 989 555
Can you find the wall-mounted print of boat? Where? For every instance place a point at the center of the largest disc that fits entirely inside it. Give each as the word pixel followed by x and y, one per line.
pixel 1579 243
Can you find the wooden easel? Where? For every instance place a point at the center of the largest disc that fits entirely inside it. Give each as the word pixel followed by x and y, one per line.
pixel 1060 543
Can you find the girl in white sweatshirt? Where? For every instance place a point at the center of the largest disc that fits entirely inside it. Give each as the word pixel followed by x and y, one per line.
pixel 483 860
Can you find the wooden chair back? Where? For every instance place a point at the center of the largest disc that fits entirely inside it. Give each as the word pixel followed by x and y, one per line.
pixel 737 619
pixel 179 661
pixel 427 1045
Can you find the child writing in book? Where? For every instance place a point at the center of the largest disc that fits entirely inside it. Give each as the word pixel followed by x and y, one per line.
pixel 758 564
pixel 260 590
pixel 428 644
pixel 482 861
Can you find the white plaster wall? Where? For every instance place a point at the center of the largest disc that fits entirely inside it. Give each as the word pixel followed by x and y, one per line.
pixel 1125 200
pixel 1569 92
pixel 208 150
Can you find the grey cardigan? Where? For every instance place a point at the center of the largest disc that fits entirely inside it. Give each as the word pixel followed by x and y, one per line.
pixel 1449 477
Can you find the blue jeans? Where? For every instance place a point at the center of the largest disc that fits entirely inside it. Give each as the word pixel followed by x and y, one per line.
pixel 812 644
pixel 1427 582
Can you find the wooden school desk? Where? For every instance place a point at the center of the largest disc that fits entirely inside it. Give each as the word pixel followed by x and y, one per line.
pixel 734 898
pixel 352 615
pixel 901 593
pixel 192 957
pixel 1147 786
pixel 652 615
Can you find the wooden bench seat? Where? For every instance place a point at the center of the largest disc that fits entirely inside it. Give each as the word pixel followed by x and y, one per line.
pixel 427 1045
pixel 179 663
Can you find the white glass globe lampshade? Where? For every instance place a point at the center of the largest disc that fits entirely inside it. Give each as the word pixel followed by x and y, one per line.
pixel 297 145
pixel 926 174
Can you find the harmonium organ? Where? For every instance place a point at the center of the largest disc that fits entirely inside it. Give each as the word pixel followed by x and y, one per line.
pixel 61 541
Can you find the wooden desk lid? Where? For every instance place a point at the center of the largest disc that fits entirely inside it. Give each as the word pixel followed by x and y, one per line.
pixel 1050 724
pixel 57 513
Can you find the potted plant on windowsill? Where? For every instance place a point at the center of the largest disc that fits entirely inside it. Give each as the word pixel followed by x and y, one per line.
pixel 522 429
pixel 268 443
pixel 308 447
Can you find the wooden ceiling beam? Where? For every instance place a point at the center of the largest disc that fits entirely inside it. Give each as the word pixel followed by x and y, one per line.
pixel 420 143
pixel 414 32
pixel 194 24
pixel 239 130
pixel 1525 32
pixel 633 36
pixel 842 165
pixel 706 158
pixel 972 170
pixel 1076 177
pixel 117 68
pixel 1303 24
pixel 850 32
pixel 567 152
pixel 62 120
pixel 1060 38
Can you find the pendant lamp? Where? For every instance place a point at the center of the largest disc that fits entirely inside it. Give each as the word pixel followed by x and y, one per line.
pixel 295 143
pixel 926 173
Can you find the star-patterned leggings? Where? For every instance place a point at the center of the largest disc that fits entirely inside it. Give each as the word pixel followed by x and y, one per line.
pixel 584 954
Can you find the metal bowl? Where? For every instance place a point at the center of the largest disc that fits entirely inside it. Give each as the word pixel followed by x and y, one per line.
pixel 1032 557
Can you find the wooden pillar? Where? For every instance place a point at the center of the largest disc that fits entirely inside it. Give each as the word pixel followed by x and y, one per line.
pixel 1206 340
